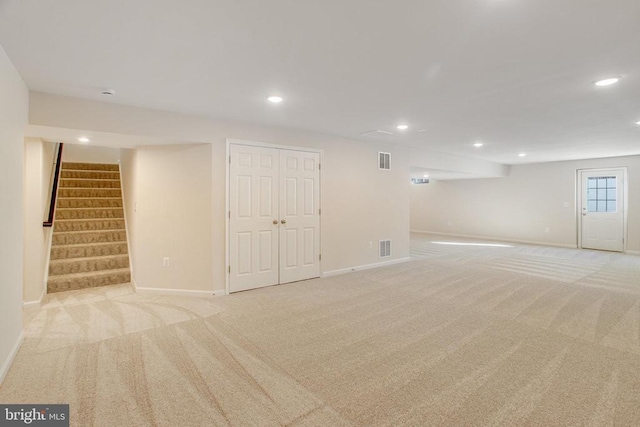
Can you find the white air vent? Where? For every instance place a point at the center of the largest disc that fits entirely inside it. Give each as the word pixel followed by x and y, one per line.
pixel 384 160
pixel 419 180
pixel 385 248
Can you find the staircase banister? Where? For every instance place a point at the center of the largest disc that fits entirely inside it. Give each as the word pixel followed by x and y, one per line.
pixel 54 190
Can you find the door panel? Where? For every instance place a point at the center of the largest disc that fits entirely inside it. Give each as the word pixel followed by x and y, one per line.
pixel 309 245
pixel 291 248
pixel 299 202
pixel 253 202
pixel 602 210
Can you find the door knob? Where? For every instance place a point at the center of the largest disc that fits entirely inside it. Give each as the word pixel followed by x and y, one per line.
pixel 275 222
pixel 284 221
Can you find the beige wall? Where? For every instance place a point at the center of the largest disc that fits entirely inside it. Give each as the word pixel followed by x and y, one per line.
pixel 360 204
pixel 521 206
pixel 173 218
pixel 90 154
pixel 38 162
pixel 13 117
pixel 129 184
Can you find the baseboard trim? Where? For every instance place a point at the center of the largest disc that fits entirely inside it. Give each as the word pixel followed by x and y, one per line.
pixel 365 267
pixel 179 292
pixel 497 239
pixel 36 303
pixel 12 355
pixel 636 253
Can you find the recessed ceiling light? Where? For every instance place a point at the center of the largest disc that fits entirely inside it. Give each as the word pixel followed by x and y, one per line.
pixel 275 99
pixel 607 82
pixel 522 155
pixel 638 122
pixel 402 127
pixel 425 176
pixel 84 139
pixel 478 144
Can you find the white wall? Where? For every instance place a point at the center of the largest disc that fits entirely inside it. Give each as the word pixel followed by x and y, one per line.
pixel 78 153
pixel 38 162
pixel 473 168
pixel 13 117
pixel 360 204
pixel 521 206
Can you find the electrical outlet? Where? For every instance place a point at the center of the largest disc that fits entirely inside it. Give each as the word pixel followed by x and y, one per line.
pixel 166 262
pixel 565 204
pixel 546 230
pixel 370 245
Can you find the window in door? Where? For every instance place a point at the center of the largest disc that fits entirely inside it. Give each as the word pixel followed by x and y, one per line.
pixel 602 194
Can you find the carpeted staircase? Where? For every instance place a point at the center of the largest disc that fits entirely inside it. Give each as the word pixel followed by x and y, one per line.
pixel 89 246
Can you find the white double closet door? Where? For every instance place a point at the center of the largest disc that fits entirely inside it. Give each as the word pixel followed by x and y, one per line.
pixel 274 226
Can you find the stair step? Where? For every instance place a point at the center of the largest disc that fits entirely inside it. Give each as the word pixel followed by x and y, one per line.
pixel 90 202
pixel 88 237
pixel 89 166
pixel 72 174
pixel 89 183
pixel 89 250
pixel 88 264
pixel 69 282
pixel 63 225
pixel 84 213
pixel 69 192
pixel 89 247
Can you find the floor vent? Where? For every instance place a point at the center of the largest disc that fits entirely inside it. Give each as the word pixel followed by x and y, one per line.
pixel 384 160
pixel 385 248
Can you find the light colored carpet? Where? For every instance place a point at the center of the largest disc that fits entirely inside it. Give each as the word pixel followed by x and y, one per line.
pixel 460 336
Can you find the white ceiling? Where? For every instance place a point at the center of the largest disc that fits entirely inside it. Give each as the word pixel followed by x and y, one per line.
pixel 515 74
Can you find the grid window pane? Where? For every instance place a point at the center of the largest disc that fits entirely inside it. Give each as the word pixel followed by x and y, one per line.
pixel 602 206
pixel 601 194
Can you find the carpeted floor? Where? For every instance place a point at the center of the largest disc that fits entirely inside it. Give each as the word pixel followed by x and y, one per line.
pixel 461 336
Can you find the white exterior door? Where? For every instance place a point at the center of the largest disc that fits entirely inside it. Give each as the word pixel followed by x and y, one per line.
pixel 300 216
pixel 274 219
pixel 254 224
pixel 602 209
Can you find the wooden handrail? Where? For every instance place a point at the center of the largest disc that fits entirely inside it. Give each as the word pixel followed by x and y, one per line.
pixel 54 191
